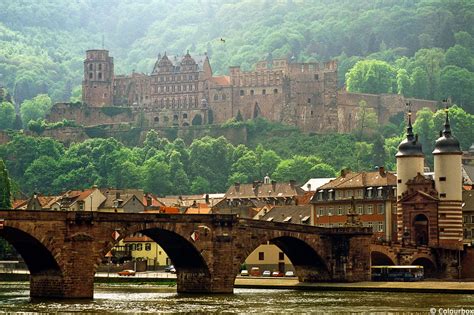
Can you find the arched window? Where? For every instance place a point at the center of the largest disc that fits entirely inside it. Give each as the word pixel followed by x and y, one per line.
pixel 275 91
pixel 264 92
pixel 185 116
pixel 251 92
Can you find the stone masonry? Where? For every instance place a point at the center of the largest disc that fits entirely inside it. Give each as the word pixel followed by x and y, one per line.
pixel 63 249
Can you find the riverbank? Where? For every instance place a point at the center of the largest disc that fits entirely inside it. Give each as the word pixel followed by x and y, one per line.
pixel 427 286
pixel 450 287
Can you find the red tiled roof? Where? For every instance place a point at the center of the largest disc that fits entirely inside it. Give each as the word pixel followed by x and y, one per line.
pixel 222 80
pixel 19 203
pixel 362 179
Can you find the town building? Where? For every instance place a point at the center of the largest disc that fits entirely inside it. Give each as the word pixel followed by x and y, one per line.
pixel 468 216
pixel 247 199
pixel 372 194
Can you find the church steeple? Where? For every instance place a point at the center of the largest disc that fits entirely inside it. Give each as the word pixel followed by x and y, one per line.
pixel 410 146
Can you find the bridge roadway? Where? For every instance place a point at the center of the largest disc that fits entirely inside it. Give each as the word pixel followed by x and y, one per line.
pixel 63 249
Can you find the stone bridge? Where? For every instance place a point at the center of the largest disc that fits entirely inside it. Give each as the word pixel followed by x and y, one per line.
pixel 63 249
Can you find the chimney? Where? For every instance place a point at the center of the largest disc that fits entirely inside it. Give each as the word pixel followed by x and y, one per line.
pixel 308 186
pixel 345 171
pixel 148 201
pixel 117 195
pixel 382 171
pixel 207 198
pixel 237 186
pixel 274 185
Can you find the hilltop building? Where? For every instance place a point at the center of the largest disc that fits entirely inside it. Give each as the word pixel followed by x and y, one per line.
pixel 182 91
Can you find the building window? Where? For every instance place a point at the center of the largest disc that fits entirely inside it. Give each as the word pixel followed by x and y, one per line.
pixel 90 75
pixel 380 227
pixel 90 66
pixel 369 192
pixel 339 210
pixel 316 76
pixel 261 256
pixel 139 247
pixel 309 101
pixel 465 219
pixel 275 91
pixel 321 211
pixel 147 246
pixel 185 116
pixel 156 119
pixel 442 195
pixel 399 181
pixel 81 206
pixel 359 193
pixel 100 66
pixel 472 218
pixel 281 256
pixel 252 92
pixel 360 210
pixel 264 92
pixel 370 209
pixel 330 211
pixel 242 92
pixel 381 208
pixel 442 179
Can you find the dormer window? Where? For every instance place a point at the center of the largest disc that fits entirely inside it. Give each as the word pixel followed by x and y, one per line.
pixel 369 192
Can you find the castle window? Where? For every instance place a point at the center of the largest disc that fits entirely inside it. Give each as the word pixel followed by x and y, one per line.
pixel 251 92
pixel 156 119
pixel 381 208
pixel 100 75
pixel 442 195
pixel 442 179
pixel 309 101
pixel 242 92
pixel 264 92
pixel 185 116
pixel 216 97
pixel 399 181
pixel 90 75
pixel 100 66
pixel 175 117
pixel 312 113
pixel 275 91
pixel 316 76
pixel 360 210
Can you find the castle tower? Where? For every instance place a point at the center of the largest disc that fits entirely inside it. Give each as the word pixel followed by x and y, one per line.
pixel 410 163
pixel 448 182
pixel 97 86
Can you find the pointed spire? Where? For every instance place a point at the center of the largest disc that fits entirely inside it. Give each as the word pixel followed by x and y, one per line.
pixel 410 146
pixel 447 143
pixel 447 126
pixel 410 135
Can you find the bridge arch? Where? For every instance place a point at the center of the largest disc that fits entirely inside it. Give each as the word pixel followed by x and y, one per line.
pixel 307 259
pixel 429 265
pixel 190 258
pixel 39 258
pixel 378 258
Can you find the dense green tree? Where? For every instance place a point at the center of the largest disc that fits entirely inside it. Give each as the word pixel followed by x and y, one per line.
pixel 371 76
pixel 5 192
pixel 366 121
pixel 36 108
pixel 458 84
pixel 200 185
pixel 7 115
pixel 460 56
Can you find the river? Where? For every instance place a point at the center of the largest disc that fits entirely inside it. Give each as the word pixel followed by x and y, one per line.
pixel 133 298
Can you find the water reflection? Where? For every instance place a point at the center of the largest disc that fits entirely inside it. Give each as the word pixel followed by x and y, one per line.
pixel 128 299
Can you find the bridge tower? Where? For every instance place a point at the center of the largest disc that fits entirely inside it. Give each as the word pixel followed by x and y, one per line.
pixel 448 182
pixel 97 86
pixel 410 162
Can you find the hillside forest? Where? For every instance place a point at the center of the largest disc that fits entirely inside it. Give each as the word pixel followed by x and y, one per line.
pixel 418 48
